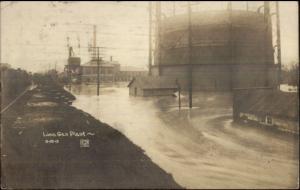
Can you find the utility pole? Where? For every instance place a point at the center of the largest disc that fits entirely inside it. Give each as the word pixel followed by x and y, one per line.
pixel 78 40
pixel 179 92
pixel 278 43
pixel 95 41
pixel 179 98
pixel 158 34
pixel 68 41
pixel 69 67
pixel 231 46
pixel 96 55
pixel 268 39
pixel 268 34
pixel 229 5
pixel 247 5
pixel 190 55
pixel 68 70
pixel 98 71
pixel 150 38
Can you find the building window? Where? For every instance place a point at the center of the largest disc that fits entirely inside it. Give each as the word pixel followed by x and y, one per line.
pixel 269 120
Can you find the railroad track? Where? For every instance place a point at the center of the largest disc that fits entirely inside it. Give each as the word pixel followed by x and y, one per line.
pixel 17 98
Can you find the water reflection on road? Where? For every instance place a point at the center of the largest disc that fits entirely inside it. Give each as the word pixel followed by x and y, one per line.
pixel 201 147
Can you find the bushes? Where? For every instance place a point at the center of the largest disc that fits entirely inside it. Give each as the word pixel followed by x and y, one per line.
pixel 13 83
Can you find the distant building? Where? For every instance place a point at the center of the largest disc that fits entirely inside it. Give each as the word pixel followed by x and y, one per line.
pixel 72 70
pixel 266 107
pixel 107 71
pixel 288 88
pixel 127 73
pixel 152 86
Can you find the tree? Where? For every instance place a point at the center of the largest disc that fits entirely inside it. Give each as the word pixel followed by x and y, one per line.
pixel 294 75
pixel 290 75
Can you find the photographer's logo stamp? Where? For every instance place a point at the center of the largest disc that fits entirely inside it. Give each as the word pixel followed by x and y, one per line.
pixel 84 143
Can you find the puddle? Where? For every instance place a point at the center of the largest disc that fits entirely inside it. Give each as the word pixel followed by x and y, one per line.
pixel 46 119
pixel 38 96
pixel 42 104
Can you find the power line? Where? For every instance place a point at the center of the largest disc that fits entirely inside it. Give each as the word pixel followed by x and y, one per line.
pixel 85 47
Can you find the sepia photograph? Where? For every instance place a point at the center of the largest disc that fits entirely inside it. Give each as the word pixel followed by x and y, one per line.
pixel 149 94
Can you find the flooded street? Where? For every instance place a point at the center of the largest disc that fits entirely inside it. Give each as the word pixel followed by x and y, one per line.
pixel 201 147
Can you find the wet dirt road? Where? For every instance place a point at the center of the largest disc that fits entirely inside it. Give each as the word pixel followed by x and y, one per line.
pixel 201 147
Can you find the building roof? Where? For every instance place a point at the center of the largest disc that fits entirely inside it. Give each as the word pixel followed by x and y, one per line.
pixel 270 102
pixel 74 60
pixel 103 63
pixel 150 82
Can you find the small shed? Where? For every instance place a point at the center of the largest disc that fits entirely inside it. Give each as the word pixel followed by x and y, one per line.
pixel 152 86
pixel 268 107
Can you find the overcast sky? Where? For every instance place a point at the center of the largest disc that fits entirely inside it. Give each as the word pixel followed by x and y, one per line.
pixel 34 34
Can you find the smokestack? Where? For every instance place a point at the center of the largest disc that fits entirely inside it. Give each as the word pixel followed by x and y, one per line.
pixel 70 51
pixel 111 58
pixel 150 38
pixel 158 35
